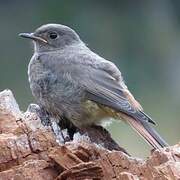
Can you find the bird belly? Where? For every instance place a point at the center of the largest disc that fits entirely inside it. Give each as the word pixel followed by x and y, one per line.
pixel 94 114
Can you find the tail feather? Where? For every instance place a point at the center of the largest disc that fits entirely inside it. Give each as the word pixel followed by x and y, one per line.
pixel 147 132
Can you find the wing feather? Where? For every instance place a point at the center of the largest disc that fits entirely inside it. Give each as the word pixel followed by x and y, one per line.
pixel 104 89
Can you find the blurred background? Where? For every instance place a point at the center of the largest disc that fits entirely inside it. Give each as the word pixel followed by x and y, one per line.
pixel 141 37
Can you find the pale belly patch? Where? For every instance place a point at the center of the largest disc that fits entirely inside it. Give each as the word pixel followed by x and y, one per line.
pixel 98 114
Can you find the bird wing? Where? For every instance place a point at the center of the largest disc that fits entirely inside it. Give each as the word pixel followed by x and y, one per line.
pixel 101 87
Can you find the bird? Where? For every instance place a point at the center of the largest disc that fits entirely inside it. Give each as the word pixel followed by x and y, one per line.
pixel 69 80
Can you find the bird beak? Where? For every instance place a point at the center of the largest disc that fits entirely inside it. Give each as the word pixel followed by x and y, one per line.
pixel 33 37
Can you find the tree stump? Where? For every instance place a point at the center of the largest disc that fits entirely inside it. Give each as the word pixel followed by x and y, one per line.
pixel 30 150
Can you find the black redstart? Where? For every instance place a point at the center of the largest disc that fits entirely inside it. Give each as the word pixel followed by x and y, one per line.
pixel 69 80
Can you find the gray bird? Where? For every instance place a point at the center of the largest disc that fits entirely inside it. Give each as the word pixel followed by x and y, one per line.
pixel 69 80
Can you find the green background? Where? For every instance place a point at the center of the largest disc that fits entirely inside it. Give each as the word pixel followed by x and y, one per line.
pixel 141 37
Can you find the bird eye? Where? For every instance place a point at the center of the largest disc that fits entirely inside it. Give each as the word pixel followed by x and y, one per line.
pixel 53 35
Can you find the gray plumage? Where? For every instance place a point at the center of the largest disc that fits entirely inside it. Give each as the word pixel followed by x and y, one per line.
pixel 69 80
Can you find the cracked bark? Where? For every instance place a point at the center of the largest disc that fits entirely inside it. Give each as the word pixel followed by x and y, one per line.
pixel 29 150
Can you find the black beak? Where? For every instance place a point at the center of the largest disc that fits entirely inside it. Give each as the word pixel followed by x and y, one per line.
pixel 33 37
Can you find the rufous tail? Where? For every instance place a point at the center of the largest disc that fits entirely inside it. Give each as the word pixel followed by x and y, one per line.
pixel 147 132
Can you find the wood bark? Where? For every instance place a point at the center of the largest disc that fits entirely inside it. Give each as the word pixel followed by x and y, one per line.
pixel 30 150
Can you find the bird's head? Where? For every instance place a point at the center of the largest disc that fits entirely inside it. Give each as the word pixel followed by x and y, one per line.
pixel 51 37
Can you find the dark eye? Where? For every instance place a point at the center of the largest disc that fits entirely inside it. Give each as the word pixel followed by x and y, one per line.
pixel 53 35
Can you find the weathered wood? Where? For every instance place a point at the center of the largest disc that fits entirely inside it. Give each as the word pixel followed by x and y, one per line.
pixel 30 150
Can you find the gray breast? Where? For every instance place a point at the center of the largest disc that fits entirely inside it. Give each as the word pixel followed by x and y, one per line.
pixel 41 79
